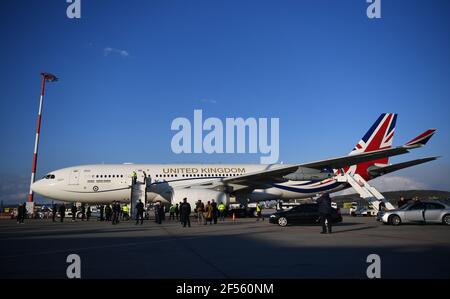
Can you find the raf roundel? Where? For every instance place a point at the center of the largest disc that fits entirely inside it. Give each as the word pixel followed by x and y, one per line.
pixel 95 188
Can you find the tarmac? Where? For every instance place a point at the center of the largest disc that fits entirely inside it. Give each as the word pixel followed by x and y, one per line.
pixel 244 248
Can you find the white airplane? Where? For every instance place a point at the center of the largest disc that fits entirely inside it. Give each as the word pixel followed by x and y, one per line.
pixel 105 183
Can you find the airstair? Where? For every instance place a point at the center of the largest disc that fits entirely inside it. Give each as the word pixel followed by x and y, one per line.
pixel 365 190
pixel 138 192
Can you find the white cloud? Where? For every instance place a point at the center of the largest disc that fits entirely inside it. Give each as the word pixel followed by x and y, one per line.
pixel 435 175
pixel 395 183
pixel 108 50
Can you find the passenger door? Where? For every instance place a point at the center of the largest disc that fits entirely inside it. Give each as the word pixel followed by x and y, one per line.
pixel 74 177
pixel 433 212
pixel 415 213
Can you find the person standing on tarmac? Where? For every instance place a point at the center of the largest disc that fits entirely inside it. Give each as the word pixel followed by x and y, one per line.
pixel 83 212
pixel 24 214
pixel 108 212
pixel 134 177
pixel 161 212
pixel 101 213
pixel 88 213
pixel 54 211
pixel 177 211
pixel 199 209
pixel 113 221
pixel 116 212
pixel 179 206
pixel 259 212
pixel 325 212
pixel 126 212
pixel 208 213
pixel 221 209
pixel 139 212
pixel 20 213
pixel 62 212
pixel 172 212
pixel 185 209
pixel 74 212
pixel 215 211
pixel 156 211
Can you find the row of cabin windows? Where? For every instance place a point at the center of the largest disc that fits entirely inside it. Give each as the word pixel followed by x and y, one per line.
pixel 195 175
pixel 108 176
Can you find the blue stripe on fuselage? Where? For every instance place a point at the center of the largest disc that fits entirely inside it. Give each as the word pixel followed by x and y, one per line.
pixel 287 188
pixel 312 190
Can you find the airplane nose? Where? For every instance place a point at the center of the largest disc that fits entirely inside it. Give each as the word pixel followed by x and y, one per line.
pixel 37 187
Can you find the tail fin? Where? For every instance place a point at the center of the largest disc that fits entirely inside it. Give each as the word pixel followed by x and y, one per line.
pixel 380 136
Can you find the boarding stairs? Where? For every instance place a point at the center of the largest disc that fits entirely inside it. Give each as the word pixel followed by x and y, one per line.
pixel 138 192
pixel 365 190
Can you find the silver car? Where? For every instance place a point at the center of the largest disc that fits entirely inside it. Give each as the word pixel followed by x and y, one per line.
pixel 418 212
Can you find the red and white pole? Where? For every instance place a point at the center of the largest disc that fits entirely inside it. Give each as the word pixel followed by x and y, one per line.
pixel 50 78
pixel 36 142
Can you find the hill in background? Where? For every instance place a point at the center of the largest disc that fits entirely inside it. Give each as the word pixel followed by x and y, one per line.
pixel 394 196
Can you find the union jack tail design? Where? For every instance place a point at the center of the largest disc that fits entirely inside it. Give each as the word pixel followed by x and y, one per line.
pixel 380 136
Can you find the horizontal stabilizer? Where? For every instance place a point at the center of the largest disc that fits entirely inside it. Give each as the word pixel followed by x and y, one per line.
pixel 422 139
pixel 376 171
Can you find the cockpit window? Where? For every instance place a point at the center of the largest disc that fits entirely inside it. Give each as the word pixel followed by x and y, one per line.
pixel 49 176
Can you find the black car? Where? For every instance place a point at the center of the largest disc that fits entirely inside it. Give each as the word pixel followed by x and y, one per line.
pixel 302 214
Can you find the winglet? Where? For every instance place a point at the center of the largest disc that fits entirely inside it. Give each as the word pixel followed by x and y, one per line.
pixel 421 140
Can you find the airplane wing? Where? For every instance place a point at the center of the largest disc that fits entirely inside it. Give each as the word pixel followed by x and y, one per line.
pixel 378 171
pixel 274 173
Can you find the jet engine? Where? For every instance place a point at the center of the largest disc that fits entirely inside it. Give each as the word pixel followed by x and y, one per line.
pixel 309 174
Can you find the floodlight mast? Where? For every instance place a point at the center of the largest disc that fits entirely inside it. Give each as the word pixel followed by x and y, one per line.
pixel 46 77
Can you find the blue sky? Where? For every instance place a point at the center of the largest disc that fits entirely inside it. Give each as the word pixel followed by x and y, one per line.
pixel 128 68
